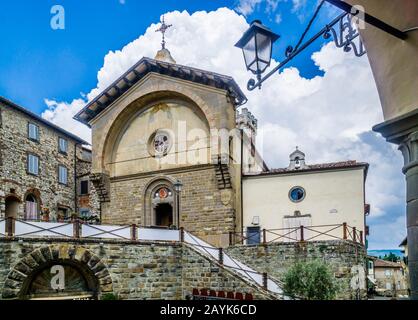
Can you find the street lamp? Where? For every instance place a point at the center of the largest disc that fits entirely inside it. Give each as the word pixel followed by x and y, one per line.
pixel 257 42
pixel 256 45
pixel 178 186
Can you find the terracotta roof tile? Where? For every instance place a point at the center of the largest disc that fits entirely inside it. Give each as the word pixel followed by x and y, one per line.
pixel 321 166
pixel 386 264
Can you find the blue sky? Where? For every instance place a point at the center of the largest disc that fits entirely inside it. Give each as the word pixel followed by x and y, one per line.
pixel 39 63
pixel 36 60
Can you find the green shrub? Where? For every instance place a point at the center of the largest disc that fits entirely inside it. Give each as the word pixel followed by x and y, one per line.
pixel 109 296
pixel 310 281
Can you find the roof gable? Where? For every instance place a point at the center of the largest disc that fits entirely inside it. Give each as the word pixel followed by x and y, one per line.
pixel 147 65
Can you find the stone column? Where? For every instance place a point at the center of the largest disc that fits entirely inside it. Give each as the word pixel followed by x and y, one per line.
pixel 404 132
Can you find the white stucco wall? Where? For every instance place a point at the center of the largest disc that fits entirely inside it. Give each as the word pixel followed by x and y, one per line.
pixel 326 192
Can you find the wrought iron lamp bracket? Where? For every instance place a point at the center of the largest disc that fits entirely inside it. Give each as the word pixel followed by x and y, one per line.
pixel 346 37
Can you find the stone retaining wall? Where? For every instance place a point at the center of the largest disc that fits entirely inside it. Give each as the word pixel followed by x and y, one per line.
pixel 130 270
pixel 344 258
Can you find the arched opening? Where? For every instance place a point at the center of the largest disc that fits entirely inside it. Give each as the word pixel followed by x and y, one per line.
pixel 163 200
pixel 61 280
pixel 160 203
pixel 164 215
pixel 12 207
pixel 31 207
pixel 165 110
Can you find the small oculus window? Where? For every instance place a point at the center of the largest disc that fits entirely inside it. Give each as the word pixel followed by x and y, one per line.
pixel 163 193
pixel 160 144
pixel 297 194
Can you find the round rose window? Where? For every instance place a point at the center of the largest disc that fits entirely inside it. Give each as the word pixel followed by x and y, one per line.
pixel 297 194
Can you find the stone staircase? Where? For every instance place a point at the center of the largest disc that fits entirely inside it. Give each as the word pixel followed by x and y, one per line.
pixel 101 183
pixel 269 286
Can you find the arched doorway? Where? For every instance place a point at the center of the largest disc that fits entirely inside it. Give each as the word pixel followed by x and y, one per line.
pixel 12 207
pixel 58 274
pixel 61 280
pixel 164 215
pixel 31 207
pixel 162 203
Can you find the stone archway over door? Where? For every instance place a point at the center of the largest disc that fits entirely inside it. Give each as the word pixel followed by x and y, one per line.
pixel 31 207
pixel 12 207
pixel 38 274
pixel 160 203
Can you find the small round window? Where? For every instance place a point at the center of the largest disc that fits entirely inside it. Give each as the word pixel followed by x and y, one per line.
pixel 159 144
pixel 297 194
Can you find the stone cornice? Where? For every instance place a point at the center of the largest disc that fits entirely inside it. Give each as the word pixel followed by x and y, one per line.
pixel 397 129
pixel 161 172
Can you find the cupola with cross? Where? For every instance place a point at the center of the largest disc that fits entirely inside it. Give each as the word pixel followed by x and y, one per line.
pixel 297 160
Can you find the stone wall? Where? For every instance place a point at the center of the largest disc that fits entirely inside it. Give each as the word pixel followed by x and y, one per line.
pixel 203 212
pixel 127 269
pixel 276 258
pixel 14 179
pixel 91 200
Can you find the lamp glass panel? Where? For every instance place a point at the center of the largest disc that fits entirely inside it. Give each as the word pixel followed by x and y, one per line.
pixel 250 54
pixel 263 51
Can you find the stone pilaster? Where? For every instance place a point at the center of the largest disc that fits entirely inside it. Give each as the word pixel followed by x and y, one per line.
pixel 404 132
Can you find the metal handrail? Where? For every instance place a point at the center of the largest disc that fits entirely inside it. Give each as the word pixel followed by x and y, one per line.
pixel 232 259
pixel 323 233
pixel 284 235
pixel 349 233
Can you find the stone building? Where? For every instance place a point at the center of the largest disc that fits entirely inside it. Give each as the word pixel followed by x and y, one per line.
pixel 390 278
pixel 38 167
pixel 88 201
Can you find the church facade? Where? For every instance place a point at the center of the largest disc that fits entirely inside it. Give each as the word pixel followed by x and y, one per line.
pixel 161 127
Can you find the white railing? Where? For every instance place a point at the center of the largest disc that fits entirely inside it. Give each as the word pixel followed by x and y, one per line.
pixel 42 229
pixel 2 228
pixel 231 263
pixel 105 232
pixel 151 234
pixel 32 229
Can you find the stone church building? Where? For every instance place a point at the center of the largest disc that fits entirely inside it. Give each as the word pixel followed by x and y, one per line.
pixel 161 125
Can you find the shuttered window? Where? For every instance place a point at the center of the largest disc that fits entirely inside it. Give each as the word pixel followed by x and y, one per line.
pixel 33 164
pixel 63 145
pixel 62 175
pixel 84 187
pixel 33 132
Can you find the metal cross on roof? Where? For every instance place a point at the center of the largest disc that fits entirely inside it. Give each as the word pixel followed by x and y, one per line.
pixel 163 29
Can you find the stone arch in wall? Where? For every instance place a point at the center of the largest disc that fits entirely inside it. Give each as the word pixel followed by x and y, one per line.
pixel 151 202
pixel 141 103
pixel 32 195
pixel 12 203
pixel 33 276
